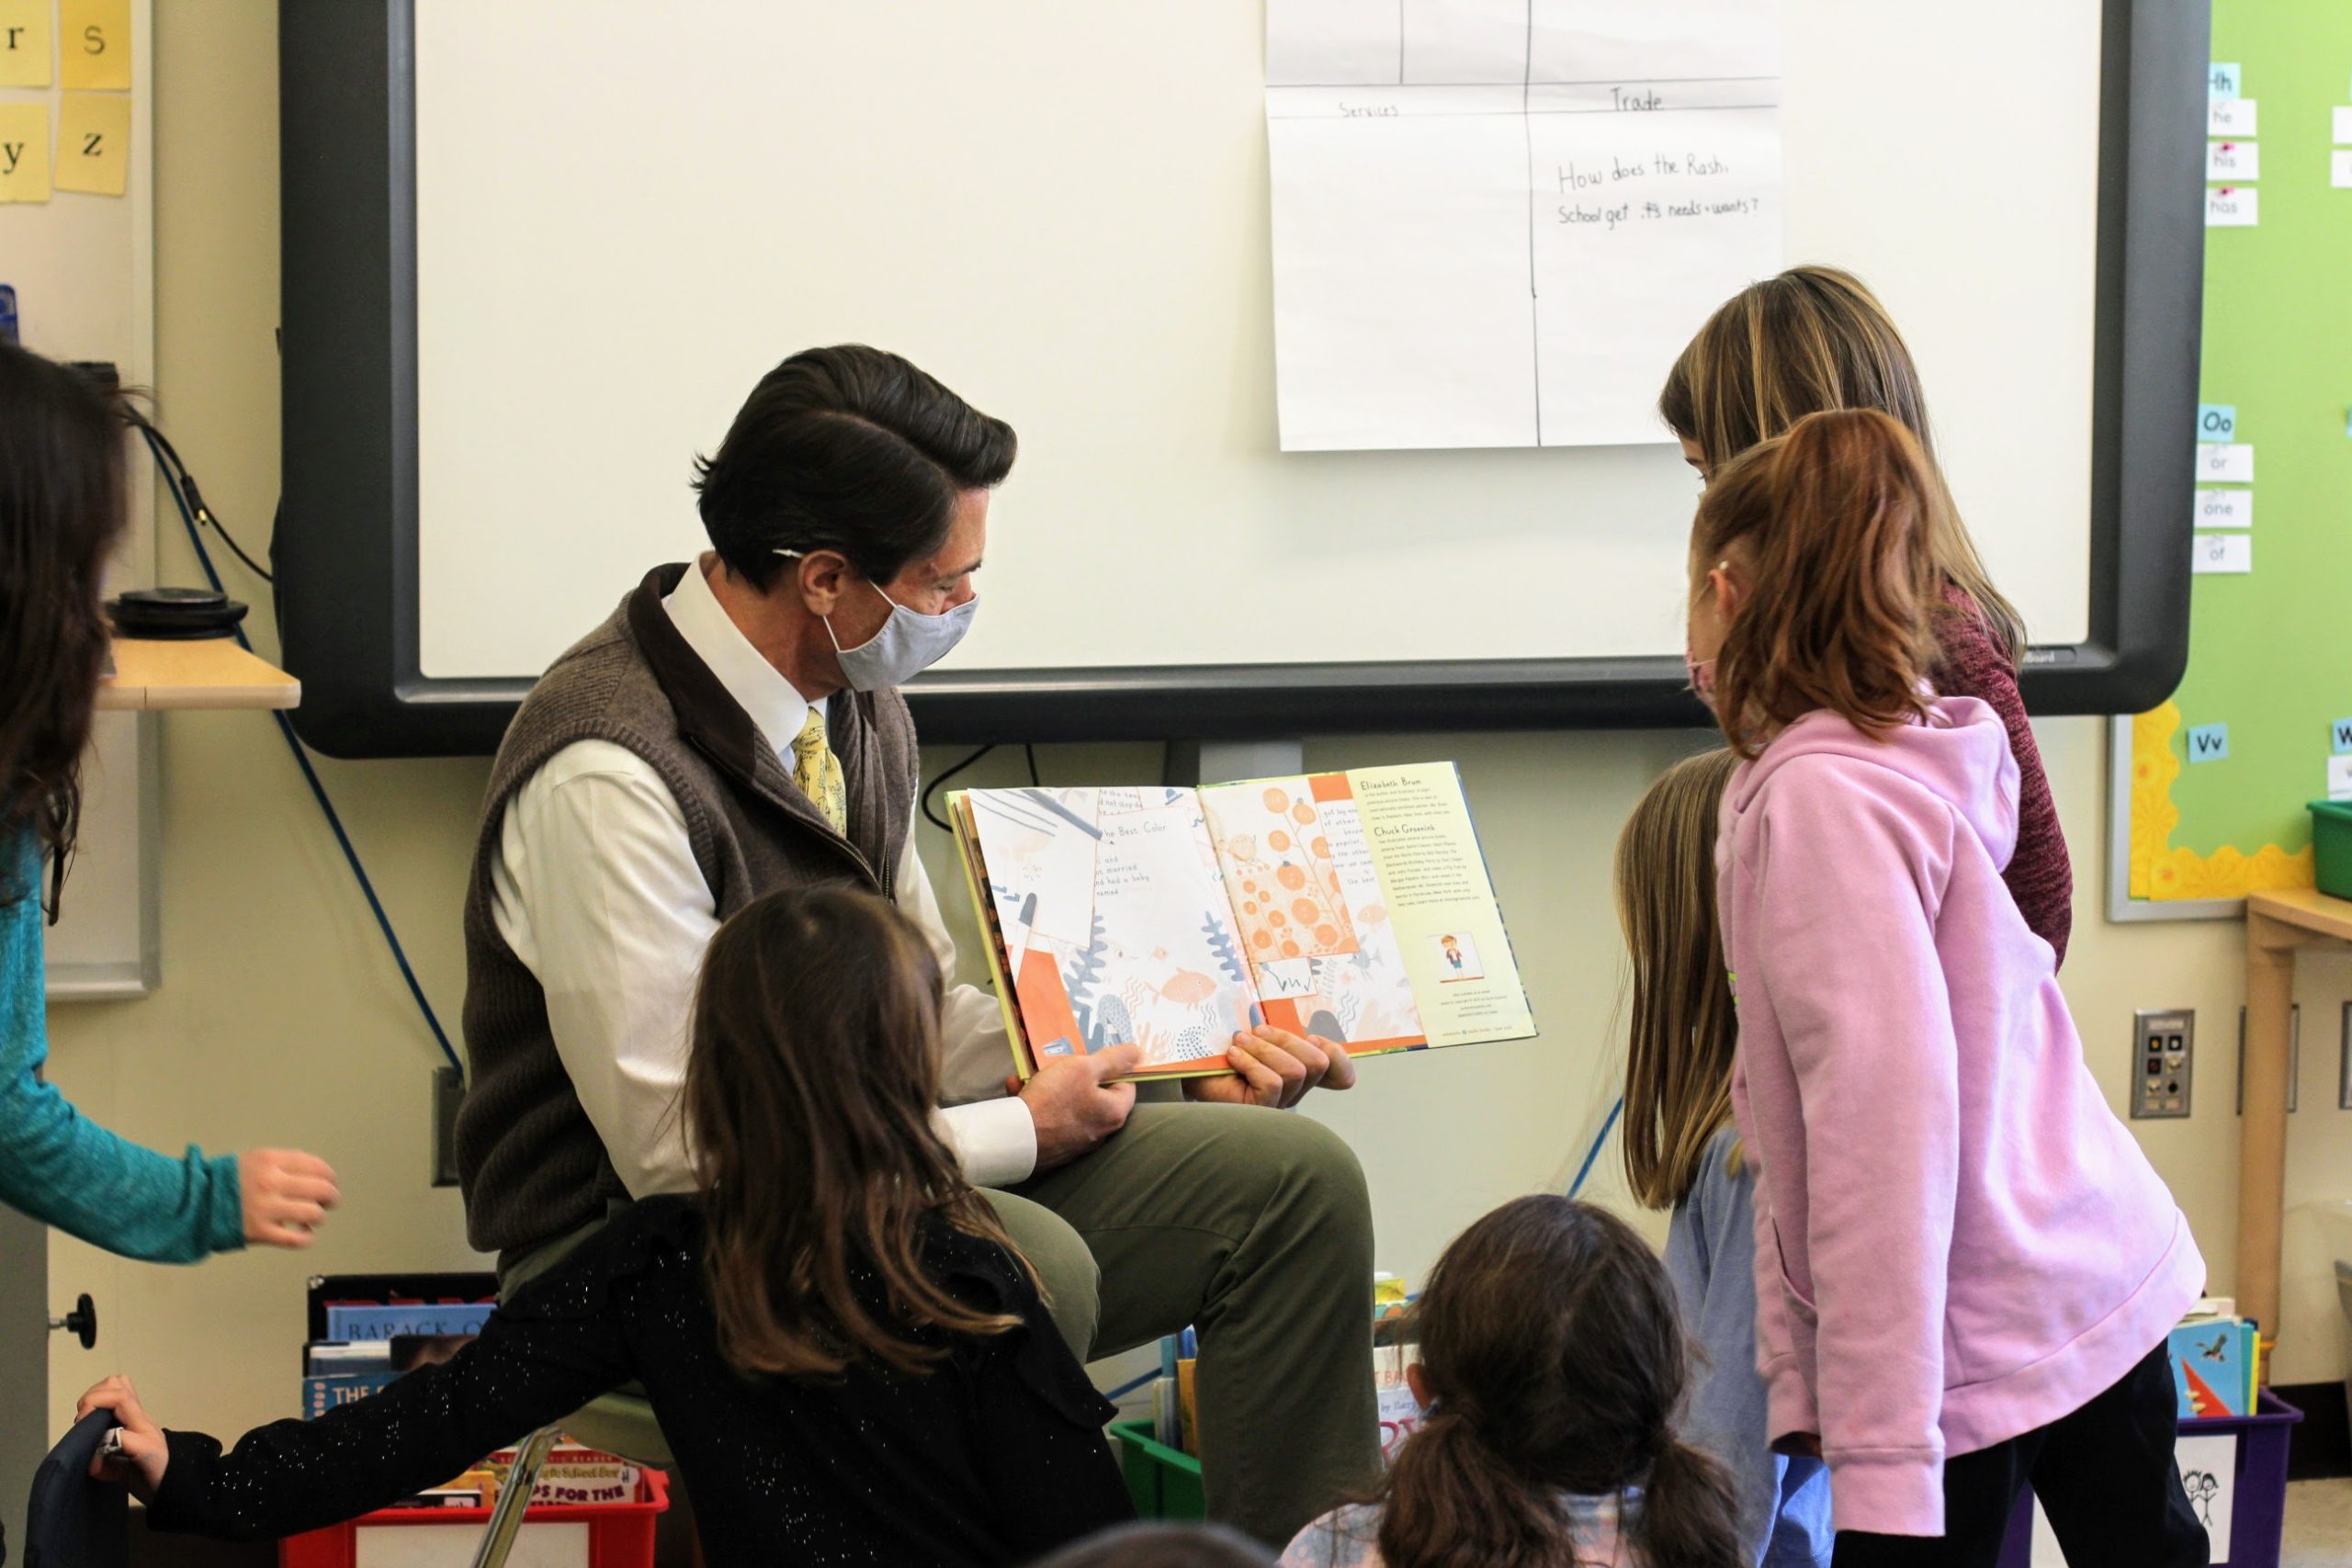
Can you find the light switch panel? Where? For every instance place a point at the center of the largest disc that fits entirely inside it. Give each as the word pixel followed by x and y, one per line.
pixel 2161 1043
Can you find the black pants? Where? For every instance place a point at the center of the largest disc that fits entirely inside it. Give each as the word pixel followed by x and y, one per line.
pixel 2106 1477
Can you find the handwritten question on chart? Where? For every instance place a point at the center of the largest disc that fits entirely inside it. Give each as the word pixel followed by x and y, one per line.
pixel 1493 236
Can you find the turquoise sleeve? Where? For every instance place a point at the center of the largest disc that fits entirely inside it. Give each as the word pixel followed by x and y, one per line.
pixel 66 1170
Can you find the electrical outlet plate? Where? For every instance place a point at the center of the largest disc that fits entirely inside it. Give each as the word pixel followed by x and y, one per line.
pixel 2162 1044
pixel 2295 1058
pixel 449 1093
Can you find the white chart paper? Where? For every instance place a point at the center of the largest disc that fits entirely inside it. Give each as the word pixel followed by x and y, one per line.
pixel 2339 168
pixel 2230 116
pixel 1497 224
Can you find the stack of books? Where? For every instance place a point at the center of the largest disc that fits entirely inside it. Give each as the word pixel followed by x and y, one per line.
pixel 367 1329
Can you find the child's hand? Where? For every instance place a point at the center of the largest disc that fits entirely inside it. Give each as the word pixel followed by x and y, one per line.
pixel 285 1194
pixel 143 1454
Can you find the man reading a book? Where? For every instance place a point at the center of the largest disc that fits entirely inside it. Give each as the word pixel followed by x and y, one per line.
pixel 733 728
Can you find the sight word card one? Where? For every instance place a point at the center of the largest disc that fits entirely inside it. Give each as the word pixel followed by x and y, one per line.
pixel 2225 509
pixel 1493 224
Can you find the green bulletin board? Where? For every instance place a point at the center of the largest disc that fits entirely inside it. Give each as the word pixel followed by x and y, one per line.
pixel 2211 813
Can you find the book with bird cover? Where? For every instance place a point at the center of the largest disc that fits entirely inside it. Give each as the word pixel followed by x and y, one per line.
pixel 1354 905
pixel 2214 1362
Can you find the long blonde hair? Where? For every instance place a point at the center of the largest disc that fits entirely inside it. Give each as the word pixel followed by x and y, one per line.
pixel 1677 1069
pixel 1815 339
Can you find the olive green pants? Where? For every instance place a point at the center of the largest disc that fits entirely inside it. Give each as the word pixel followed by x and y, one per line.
pixel 1252 1226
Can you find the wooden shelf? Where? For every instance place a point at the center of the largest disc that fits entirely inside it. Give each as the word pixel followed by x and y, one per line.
pixel 2306 908
pixel 211 674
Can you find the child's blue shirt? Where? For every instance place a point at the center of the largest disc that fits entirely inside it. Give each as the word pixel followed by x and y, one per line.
pixel 57 1165
pixel 1710 1257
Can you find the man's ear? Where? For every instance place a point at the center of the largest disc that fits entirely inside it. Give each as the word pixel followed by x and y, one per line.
pixel 820 577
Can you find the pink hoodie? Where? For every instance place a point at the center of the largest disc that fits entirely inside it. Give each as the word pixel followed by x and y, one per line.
pixel 1956 1241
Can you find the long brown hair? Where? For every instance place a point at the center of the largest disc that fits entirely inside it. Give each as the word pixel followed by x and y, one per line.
pixel 807 1111
pixel 1678 1057
pixel 60 512
pixel 1812 339
pixel 1554 1360
pixel 1832 520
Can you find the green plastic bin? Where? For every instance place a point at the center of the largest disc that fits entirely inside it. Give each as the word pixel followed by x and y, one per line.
pixel 2332 847
pixel 1165 1482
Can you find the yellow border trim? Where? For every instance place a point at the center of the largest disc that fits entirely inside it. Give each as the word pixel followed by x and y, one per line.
pixel 2161 872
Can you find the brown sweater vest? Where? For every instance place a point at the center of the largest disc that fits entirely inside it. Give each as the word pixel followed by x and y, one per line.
pixel 531 1163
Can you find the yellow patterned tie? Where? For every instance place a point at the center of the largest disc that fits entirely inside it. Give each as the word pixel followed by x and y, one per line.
pixel 819 772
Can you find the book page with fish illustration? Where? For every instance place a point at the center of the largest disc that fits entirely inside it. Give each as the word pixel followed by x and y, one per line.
pixel 1112 924
pixel 1312 917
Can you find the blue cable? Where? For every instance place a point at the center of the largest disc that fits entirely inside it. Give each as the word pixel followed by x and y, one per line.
pixel 310 775
pixel 1129 1386
pixel 1593 1153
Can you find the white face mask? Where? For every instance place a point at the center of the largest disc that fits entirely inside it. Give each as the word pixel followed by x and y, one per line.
pixel 908 644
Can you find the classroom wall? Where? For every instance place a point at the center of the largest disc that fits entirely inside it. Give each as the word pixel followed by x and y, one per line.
pixel 282 1020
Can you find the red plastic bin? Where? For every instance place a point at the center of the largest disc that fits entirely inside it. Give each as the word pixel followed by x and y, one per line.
pixel 619 1535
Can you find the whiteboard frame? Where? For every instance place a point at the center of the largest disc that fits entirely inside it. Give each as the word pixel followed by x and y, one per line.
pixel 346 550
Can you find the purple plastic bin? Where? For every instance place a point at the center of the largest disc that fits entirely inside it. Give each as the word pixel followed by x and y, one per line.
pixel 2259 1508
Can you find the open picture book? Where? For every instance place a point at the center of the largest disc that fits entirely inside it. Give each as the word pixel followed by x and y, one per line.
pixel 1354 905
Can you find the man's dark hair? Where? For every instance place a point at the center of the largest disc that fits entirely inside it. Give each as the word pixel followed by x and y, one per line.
pixel 848 449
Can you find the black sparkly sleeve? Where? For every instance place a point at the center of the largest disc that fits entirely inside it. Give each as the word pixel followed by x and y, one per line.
pixel 1042 1451
pixel 423 1430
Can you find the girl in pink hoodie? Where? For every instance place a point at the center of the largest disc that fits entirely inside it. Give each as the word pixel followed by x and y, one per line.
pixel 1965 1266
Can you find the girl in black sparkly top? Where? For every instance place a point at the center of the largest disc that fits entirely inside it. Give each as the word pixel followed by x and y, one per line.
pixel 850 1361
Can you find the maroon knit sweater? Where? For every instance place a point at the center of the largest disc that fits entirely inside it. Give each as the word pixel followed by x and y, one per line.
pixel 1973 663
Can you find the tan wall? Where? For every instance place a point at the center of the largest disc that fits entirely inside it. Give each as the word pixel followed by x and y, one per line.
pixel 281 1020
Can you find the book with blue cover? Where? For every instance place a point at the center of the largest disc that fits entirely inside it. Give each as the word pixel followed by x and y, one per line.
pixel 358 1321
pixel 2213 1366
pixel 320 1394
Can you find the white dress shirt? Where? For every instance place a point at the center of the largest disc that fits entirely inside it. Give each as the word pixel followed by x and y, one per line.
pixel 596 891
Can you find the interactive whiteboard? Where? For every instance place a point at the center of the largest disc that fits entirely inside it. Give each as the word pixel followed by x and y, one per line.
pixel 537 252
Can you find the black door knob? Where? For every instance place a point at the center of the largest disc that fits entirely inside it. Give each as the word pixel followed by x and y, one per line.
pixel 82 1322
